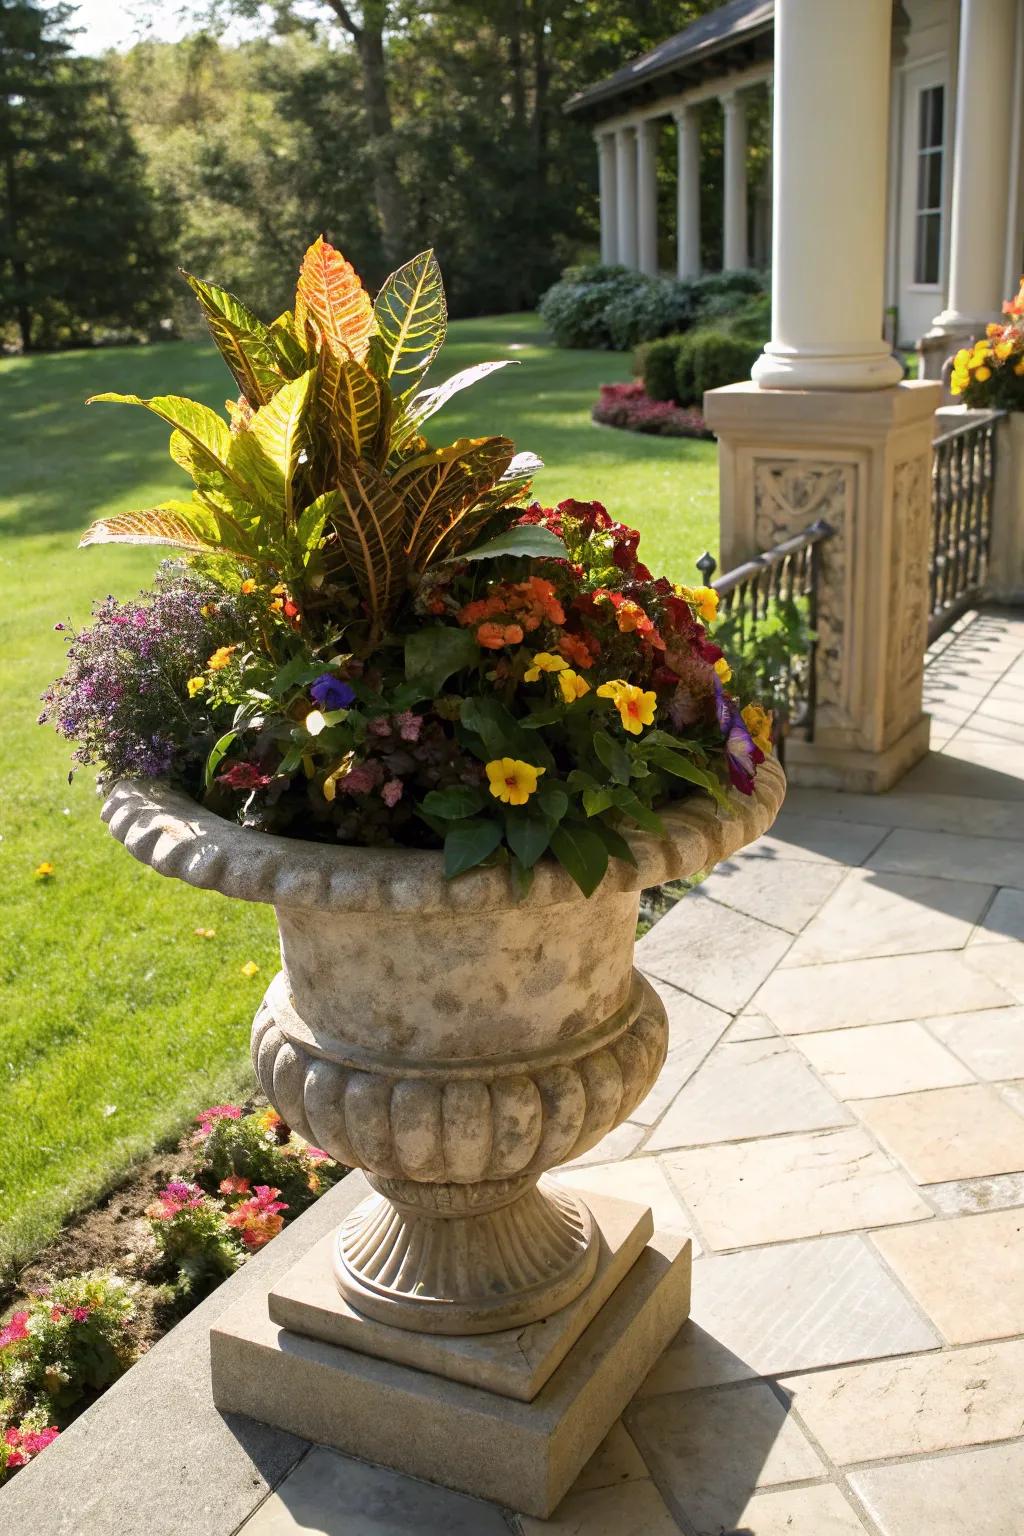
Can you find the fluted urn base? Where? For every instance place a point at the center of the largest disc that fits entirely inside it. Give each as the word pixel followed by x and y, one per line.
pixel 464 1259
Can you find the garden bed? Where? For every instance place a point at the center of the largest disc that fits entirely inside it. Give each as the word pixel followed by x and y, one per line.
pixel 630 408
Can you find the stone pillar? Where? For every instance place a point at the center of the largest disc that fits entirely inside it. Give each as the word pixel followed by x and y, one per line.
pixel 607 198
pixel 647 197
pixel 735 244
pixel 863 463
pixel 625 204
pixel 829 158
pixel 824 430
pixel 688 192
pixel 981 169
pixel 1005 580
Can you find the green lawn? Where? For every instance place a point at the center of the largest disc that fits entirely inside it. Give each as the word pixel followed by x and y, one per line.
pixel 117 1022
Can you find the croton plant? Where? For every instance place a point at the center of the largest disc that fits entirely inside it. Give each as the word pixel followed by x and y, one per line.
pixel 370 639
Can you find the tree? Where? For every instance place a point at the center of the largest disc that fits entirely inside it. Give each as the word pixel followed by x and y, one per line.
pixel 82 242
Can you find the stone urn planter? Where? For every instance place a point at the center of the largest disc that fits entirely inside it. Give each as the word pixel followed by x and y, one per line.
pixel 453 1041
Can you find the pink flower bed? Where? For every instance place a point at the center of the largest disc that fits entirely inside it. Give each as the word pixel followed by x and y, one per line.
pixel 628 406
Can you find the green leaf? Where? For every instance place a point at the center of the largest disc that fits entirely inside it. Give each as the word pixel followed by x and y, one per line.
pixel 244 341
pixel 468 843
pixel 294 674
pixel 434 653
pixel 578 780
pixel 178 525
pixel 411 318
pixel 292 355
pixel 217 752
pixel 310 526
pixel 552 800
pixel 522 878
pixel 582 853
pixel 659 738
pixel 527 833
pixel 682 768
pixel 204 429
pixel 625 800
pixel 502 734
pixel 614 757
pixel 597 800
pixel 530 539
pixel 267 453
pixel 454 803
pixel 614 842
pixel 348 404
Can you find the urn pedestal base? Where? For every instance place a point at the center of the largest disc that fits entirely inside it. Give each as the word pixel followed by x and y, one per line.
pixel 510 1416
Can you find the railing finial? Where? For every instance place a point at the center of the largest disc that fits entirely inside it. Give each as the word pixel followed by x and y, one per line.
pixel 707 565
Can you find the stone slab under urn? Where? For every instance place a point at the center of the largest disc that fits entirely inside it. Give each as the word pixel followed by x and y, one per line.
pixel 525 1455
pixel 455 1040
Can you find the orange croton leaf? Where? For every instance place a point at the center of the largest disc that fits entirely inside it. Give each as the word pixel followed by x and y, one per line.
pixel 331 298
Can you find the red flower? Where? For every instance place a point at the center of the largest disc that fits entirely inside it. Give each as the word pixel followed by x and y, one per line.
pixel 15 1329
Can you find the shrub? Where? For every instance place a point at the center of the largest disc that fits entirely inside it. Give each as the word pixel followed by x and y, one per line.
pixel 628 406
pixel 260 1149
pixel 710 359
pixel 754 319
pixel 575 308
pixel 658 367
pixel 640 314
pixel 718 295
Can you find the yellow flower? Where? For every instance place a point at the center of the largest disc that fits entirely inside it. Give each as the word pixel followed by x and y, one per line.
pixel 962 358
pixel 758 722
pixel 195 685
pixel 250 968
pixel 1003 349
pixel 314 722
pixel 723 669
pixel 572 685
pixel 512 781
pixel 958 383
pixel 205 933
pixel 982 373
pixel 330 785
pixel 248 585
pixel 44 871
pixel 636 708
pixel 704 599
pixel 1018 368
pixel 221 658
pixel 544 662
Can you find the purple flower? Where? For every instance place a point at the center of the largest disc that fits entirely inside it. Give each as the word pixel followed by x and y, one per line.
pixel 329 692
pixel 741 754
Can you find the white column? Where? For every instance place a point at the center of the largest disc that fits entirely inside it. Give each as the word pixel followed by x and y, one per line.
pixel 647 197
pixel 625 166
pixel 829 151
pixel 981 164
pixel 607 198
pixel 735 253
pixel 688 192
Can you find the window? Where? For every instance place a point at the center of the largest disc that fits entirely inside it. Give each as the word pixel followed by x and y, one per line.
pixel 931 104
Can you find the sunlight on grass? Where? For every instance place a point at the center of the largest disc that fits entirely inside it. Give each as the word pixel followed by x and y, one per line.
pixel 119 1022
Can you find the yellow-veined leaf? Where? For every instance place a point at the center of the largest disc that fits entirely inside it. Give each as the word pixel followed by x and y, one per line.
pixel 440 487
pixel 243 340
pixel 267 453
pixel 176 524
pixel 411 317
pixel 200 426
pixel 292 351
pixel 331 299
pixel 348 405
pixel 422 406
pixel 368 518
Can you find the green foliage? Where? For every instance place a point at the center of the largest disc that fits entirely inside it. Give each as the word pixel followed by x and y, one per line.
pixel 69 1342
pixel 657 365
pixel 261 1149
pixel 767 652
pixel 575 309
pixel 83 239
pixel 616 307
pixel 710 359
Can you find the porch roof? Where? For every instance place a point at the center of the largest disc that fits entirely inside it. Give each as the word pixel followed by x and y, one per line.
pixel 732 36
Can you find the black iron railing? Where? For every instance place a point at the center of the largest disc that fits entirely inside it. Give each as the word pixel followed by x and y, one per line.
pixel 963 474
pixel 768 617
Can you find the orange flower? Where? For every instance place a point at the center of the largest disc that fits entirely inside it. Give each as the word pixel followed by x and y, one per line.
pixel 582 652
pixel 494 636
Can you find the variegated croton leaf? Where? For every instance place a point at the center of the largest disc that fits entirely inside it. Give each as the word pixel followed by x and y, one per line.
pixel 333 303
pixel 440 488
pixel 411 319
pixel 244 342
pixel 177 525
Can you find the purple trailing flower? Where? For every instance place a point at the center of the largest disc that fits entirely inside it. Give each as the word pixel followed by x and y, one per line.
pixel 741 754
pixel 329 692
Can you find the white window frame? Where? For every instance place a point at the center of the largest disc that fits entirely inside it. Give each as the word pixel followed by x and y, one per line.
pixel 919 78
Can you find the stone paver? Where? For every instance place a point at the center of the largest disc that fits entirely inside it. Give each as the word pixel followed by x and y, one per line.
pixel 990 1042
pixel 961 1196
pixel 710 1451
pixel 767 1311
pixel 1004 920
pixel 881 1059
pixel 948 1133
pixel 935 1402
pixel 816 840
pixel 883 991
pixel 616 1460
pixel 718 955
pixel 641 1179
pixel 966 1272
pixel 819 1510
pixel 765 888
pixel 694 1027
pixel 977 1493
pixel 793 1186
pixel 751 1088
pixel 633 1509
pixel 750 1026
pixel 990 860
pixel 880 914
pixel 1003 964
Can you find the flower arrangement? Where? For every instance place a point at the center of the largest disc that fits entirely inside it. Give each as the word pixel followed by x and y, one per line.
pixel 990 374
pixel 70 1341
pixel 370 639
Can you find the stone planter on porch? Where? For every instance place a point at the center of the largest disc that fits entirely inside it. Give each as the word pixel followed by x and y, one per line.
pixel 456 1044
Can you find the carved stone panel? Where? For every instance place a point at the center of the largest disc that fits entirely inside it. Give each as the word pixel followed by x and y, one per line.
pixel 908 591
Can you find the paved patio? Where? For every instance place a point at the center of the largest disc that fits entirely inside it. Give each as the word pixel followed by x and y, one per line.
pixel 840 1126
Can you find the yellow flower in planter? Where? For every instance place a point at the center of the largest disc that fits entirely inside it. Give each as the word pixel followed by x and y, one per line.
pixel 705 599
pixel 636 708
pixel 544 662
pixel 982 373
pixel 758 722
pixel 572 685
pixel 723 670
pixel 511 780
pixel 195 685
pixel 221 657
